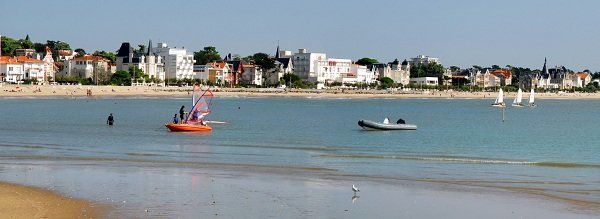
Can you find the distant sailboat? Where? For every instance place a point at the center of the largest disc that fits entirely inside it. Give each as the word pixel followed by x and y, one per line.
pixel 518 99
pixel 531 98
pixel 499 100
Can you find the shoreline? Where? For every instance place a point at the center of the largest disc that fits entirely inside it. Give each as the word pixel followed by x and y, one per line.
pixel 66 91
pixel 20 201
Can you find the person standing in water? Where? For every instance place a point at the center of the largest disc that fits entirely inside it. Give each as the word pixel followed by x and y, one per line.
pixel 181 112
pixel 110 119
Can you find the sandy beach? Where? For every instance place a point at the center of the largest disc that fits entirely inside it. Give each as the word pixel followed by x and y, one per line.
pixel 145 91
pixel 27 202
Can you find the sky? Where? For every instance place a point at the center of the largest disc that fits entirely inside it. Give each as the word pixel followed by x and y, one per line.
pixel 460 33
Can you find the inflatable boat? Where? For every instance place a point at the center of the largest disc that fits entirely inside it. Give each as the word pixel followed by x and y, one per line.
pixel 371 125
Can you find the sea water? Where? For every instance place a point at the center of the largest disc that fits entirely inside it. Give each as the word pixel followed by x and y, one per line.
pixel 553 147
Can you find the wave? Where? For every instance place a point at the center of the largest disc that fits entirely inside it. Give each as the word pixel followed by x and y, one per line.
pixel 468 160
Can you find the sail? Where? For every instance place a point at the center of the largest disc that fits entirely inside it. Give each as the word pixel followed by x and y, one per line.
pixel 196 93
pixel 201 107
pixel 531 96
pixel 500 96
pixel 519 97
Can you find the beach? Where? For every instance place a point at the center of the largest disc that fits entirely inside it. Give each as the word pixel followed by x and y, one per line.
pixel 10 90
pixel 27 202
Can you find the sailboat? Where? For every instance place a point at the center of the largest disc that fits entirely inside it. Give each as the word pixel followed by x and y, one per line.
pixel 499 100
pixel 531 98
pixel 518 99
pixel 195 118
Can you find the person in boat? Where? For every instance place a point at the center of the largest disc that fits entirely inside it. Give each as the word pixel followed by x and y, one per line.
pixel 110 119
pixel 181 113
pixel 195 115
pixel 202 122
pixel 175 120
pixel 400 121
pixel 386 120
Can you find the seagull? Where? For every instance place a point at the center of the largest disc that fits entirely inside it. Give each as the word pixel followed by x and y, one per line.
pixel 355 189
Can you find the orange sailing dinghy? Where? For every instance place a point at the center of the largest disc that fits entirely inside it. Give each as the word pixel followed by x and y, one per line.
pixel 195 118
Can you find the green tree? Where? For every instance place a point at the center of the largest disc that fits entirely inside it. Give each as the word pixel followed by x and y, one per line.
pixel 80 52
pixel 39 47
pixel 121 78
pixel 263 61
pixel 137 74
pixel 367 61
pixel 9 45
pixel 206 55
pixel 141 49
pixel 289 77
pixel 386 82
pixel 430 70
pixel 107 55
pixel 26 44
pixel 454 68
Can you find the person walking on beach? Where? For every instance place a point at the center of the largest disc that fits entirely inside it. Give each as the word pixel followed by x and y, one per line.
pixel 110 119
pixel 181 112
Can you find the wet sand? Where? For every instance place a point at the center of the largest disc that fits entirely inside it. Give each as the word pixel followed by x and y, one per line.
pixel 128 91
pixel 28 202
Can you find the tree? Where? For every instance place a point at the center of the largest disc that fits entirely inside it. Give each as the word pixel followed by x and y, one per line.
pixel 206 55
pixel 107 55
pixel 141 49
pixel 386 82
pixel 26 44
pixel 495 67
pixel 121 78
pixel 137 74
pixel 454 68
pixel 478 67
pixel 431 70
pixel 9 45
pixel 290 77
pixel 80 52
pixel 263 61
pixel 367 61
pixel 39 47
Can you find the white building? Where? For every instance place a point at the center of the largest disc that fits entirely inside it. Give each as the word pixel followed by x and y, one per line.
pixel 361 75
pixel 304 64
pixel 151 63
pixel 331 70
pixel 430 81
pixel 423 60
pixel 49 66
pixel 252 74
pixel 201 72
pixel 178 63
pixel 18 68
pixel 94 67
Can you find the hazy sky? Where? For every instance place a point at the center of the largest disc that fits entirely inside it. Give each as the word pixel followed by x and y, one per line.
pixel 461 33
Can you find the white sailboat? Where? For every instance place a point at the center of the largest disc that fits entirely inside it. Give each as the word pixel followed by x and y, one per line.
pixel 518 99
pixel 499 100
pixel 531 98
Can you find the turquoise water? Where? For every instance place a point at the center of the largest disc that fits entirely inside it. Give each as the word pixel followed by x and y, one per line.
pixel 554 147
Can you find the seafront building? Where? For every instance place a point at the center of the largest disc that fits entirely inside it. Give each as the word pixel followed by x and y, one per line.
pixel 423 60
pixel 150 62
pixel 88 66
pixel 178 64
pixel 15 69
pixel 305 64
pixel 252 75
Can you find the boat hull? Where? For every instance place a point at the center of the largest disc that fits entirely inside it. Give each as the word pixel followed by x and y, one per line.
pixel 371 125
pixel 188 128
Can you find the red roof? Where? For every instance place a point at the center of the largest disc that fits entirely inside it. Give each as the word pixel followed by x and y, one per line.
pixel 90 58
pixel 502 72
pixel 17 59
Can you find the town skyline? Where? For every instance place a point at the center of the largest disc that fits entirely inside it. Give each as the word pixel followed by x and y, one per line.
pixel 506 33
